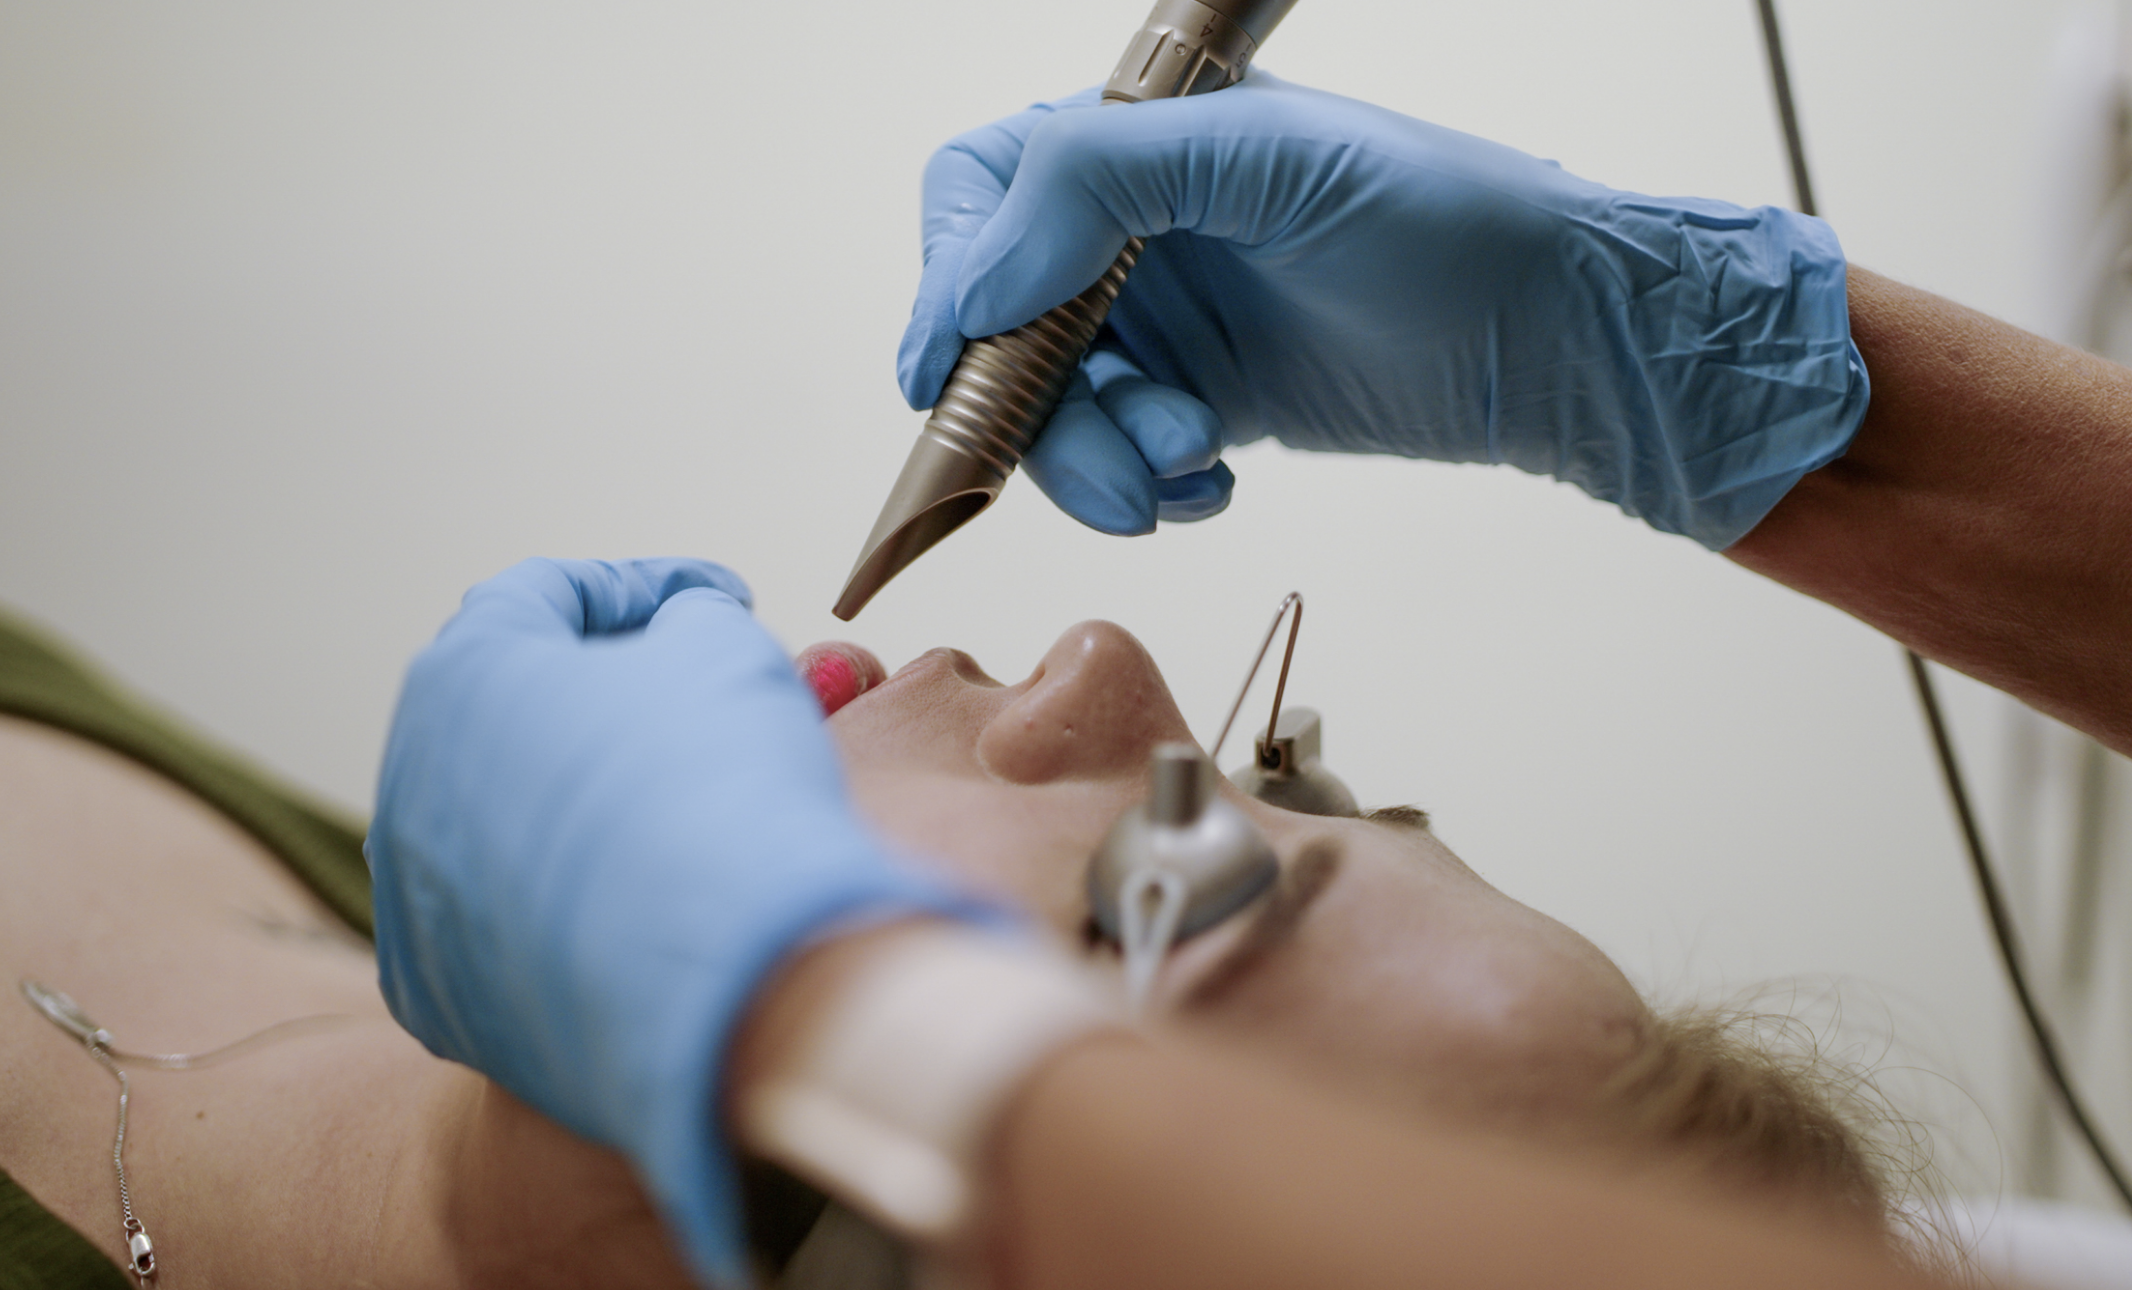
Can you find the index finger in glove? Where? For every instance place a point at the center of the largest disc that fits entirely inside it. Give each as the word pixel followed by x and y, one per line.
pixel 964 184
pixel 723 661
pixel 1175 433
pixel 966 180
pixel 1123 451
pixel 1243 165
pixel 573 599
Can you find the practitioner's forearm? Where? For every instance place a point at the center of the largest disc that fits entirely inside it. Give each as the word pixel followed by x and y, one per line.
pixel 1123 1163
pixel 1123 1167
pixel 1984 514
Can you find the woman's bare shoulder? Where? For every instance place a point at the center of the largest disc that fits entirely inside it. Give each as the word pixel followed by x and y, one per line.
pixel 344 1152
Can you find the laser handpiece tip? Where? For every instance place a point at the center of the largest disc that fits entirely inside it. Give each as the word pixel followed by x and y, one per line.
pixel 942 487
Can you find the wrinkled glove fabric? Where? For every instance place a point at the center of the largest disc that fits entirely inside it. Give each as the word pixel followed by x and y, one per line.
pixel 608 809
pixel 1343 278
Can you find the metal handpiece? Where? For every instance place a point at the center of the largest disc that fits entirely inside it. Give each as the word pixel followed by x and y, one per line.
pixel 1173 866
pixel 1289 770
pixel 1005 387
pixel 1184 860
pixel 1184 830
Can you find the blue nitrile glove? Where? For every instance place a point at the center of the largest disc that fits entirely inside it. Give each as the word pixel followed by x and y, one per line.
pixel 1342 277
pixel 608 808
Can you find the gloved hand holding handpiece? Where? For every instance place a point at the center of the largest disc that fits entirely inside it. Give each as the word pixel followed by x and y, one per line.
pixel 1340 277
pixel 608 810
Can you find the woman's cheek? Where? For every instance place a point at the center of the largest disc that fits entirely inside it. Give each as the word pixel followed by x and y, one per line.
pixel 1080 732
pixel 1028 745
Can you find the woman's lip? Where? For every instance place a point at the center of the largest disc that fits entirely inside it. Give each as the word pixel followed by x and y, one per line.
pixel 838 672
pixel 956 661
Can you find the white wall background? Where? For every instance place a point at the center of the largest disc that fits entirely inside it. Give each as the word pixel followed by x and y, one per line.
pixel 312 315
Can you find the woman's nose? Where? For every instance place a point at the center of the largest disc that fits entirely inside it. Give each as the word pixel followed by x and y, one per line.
pixel 1095 707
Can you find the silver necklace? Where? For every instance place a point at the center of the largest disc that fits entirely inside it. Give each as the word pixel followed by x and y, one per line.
pixel 69 1016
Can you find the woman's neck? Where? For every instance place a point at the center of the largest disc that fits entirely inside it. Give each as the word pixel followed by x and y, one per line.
pixel 526 1204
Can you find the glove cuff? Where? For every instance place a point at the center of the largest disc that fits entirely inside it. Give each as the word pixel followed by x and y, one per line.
pixel 1749 369
pixel 888 1099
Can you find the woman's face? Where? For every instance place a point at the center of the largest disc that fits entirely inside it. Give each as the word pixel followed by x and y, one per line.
pixel 1381 959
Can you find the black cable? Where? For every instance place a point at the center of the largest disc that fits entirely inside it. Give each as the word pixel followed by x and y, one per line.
pixel 1802 184
pixel 2002 931
pixel 2002 926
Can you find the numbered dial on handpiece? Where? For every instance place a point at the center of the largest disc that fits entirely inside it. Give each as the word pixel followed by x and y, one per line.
pixel 1004 388
pixel 1184 48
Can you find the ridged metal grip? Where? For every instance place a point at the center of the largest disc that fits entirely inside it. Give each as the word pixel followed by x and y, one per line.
pixel 1005 387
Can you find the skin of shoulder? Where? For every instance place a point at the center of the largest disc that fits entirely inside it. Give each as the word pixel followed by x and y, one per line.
pixel 347 1155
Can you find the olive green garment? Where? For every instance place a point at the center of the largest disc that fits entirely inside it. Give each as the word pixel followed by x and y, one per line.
pixel 43 681
pixel 39 1252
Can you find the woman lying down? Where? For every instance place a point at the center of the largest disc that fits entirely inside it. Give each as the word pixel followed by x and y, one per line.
pixel 184 902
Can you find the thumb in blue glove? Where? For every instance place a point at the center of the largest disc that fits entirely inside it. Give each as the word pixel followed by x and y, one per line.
pixel 1344 278
pixel 608 810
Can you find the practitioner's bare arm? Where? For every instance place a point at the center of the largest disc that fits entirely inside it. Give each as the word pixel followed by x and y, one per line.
pixel 1983 516
pixel 1124 1165
pixel 1126 1168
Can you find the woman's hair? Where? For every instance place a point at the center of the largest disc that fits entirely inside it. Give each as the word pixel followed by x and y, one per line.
pixel 1751 1099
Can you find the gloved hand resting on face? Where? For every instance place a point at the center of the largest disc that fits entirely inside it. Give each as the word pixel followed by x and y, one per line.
pixel 1345 278
pixel 608 809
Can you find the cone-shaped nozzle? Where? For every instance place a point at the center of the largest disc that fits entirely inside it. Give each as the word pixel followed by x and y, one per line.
pixel 1004 387
pixel 998 398
pixel 942 486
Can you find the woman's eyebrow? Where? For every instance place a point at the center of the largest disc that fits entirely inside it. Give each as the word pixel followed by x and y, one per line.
pixel 1275 921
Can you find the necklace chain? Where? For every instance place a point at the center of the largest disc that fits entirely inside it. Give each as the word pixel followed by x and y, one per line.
pixel 69 1016
pixel 140 1251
